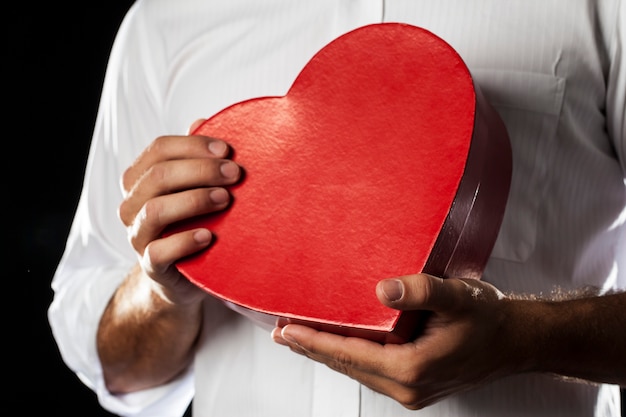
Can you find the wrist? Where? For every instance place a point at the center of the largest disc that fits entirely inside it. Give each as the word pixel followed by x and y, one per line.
pixel 180 293
pixel 527 332
pixel 569 337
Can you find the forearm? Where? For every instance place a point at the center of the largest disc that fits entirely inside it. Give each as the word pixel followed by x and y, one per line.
pixel 144 340
pixel 582 338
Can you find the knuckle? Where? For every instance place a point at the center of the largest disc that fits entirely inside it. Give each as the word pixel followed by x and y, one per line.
pixel 197 201
pixel 342 362
pixel 409 377
pixel 426 290
pixel 146 260
pixel 411 399
pixel 127 179
pixel 207 168
pixel 150 213
pixel 146 221
pixel 159 145
pixel 423 289
pixel 151 260
pixel 157 173
pixel 124 213
pixel 133 238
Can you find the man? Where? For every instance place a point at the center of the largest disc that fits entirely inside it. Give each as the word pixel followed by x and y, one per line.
pixel 542 334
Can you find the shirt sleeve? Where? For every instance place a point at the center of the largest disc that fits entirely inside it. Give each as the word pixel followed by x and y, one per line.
pixel 616 87
pixel 97 255
pixel 616 123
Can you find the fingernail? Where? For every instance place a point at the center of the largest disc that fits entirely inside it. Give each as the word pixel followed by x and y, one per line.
pixel 229 169
pixel 278 338
pixel 393 289
pixel 217 148
pixel 219 196
pixel 292 342
pixel 202 236
pixel 289 338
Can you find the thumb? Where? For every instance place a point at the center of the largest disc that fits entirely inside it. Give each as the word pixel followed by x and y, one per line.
pixel 420 292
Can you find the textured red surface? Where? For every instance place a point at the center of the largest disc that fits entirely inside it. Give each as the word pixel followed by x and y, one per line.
pixel 349 178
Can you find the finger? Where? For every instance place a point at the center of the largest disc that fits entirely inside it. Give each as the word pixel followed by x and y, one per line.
pixel 162 253
pixel 167 148
pixel 423 292
pixel 160 256
pixel 173 176
pixel 158 213
pixel 195 125
pixel 372 364
pixel 352 356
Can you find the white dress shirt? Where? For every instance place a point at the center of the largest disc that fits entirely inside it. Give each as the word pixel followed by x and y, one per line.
pixel 554 69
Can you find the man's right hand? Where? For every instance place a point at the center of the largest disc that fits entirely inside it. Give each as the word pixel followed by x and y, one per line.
pixel 173 179
pixel 149 330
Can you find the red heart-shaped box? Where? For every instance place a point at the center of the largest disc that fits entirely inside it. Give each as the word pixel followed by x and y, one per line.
pixel 382 160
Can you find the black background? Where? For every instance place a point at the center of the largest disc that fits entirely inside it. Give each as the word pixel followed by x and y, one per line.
pixel 53 64
pixel 53 61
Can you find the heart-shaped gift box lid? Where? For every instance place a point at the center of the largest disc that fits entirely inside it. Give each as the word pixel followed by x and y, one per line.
pixel 382 160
